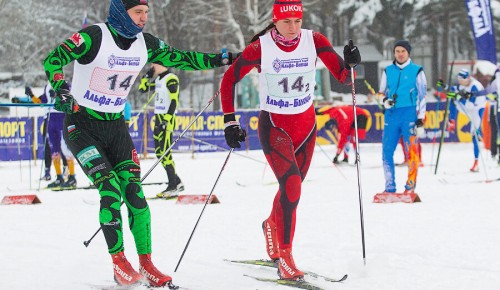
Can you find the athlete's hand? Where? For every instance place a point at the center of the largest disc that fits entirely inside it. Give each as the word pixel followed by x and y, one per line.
pixel 351 55
pixel 229 57
pixel 450 126
pixel 65 102
pixel 419 128
pixel 144 85
pixel 388 103
pixel 28 92
pixel 233 132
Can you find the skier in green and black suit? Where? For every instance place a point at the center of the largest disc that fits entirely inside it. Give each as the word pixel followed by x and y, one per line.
pixel 109 57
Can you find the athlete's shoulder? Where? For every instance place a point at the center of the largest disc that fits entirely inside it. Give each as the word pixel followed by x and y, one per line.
pixel 153 42
pixel 320 39
pixel 93 31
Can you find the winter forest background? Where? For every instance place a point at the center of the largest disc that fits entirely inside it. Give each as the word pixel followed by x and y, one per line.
pixel 29 29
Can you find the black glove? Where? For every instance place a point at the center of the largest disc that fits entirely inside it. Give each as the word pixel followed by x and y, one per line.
pixel 336 159
pixel 351 55
pixel 229 57
pixel 465 95
pixel 28 92
pixel 330 124
pixel 440 84
pixel 233 132
pixel 419 130
pixel 65 102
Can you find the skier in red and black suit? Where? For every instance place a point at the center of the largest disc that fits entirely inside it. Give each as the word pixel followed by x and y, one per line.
pixel 285 56
pixel 342 120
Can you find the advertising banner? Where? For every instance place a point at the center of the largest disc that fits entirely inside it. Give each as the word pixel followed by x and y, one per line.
pixel 481 23
pixel 19 136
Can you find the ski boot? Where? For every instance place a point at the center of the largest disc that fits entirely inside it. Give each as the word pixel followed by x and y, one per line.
pixel 475 166
pixel 286 266
pixel 70 183
pixel 172 189
pixel 57 183
pixel 153 275
pixel 47 176
pixel 271 236
pixel 409 189
pixel 124 273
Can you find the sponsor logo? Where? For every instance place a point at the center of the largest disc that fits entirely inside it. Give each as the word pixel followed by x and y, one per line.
pixel 278 64
pixel 121 273
pixel 290 8
pixel 104 100
pixel 88 154
pixel 96 168
pixel 480 17
pixel 135 157
pixel 114 60
pixel 269 236
pixel 287 268
pixel 282 103
pixel 148 275
pixel 58 77
pixel 102 179
pixel 77 39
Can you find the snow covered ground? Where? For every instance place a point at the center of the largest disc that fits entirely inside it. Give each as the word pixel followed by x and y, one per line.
pixel 451 240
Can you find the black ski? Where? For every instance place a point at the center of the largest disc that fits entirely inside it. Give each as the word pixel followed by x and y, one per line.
pixel 272 264
pixel 301 284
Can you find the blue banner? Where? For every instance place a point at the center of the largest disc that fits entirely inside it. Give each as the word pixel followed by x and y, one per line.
pixel 17 135
pixel 16 139
pixel 481 23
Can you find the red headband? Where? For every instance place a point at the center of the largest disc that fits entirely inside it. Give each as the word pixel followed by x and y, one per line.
pixel 287 9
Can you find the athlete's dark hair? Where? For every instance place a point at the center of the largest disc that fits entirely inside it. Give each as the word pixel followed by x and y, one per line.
pixel 256 36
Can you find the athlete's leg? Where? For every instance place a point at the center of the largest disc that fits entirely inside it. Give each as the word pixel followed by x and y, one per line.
pixel 410 142
pixel 108 159
pixel 289 154
pixel 390 139
pixel 163 140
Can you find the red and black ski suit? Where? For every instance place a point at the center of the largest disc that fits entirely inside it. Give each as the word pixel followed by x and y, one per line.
pixel 344 117
pixel 287 140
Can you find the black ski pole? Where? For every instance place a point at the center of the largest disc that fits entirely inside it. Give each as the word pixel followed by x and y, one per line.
pixel 445 119
pixel 206 202
pixel 86 243
pixel 360 195
pixel 439 91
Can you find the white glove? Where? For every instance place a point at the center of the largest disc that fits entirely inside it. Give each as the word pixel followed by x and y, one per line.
pixel 388 103
pixel 419 128
pixel 420 131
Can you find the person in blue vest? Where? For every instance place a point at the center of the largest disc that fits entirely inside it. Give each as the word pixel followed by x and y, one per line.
pixel 403 87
